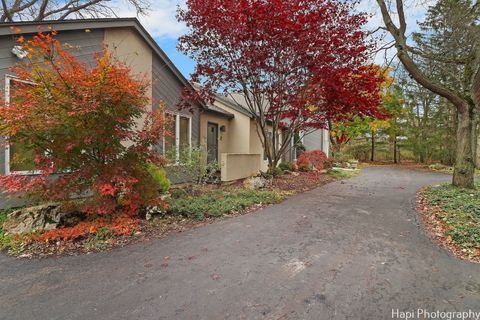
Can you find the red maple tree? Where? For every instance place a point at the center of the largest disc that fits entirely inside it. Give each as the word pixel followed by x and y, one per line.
pixel 79 124
pixel 295 64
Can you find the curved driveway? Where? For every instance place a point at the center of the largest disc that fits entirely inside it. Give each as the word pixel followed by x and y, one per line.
pixel 348 250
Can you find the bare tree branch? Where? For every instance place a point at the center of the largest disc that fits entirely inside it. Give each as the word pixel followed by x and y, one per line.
pixel 404 56
pixel 38 10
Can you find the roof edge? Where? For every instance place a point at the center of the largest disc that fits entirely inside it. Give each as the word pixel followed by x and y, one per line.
pixel 100 23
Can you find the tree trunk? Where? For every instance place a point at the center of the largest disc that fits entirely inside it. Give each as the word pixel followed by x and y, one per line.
pixel 464 172
pixel 464 164
pixel 478 146
pixel 476 99
pixel 395 159
pixel 372 156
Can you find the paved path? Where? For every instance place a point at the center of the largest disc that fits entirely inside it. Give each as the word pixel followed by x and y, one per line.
pixel 348 250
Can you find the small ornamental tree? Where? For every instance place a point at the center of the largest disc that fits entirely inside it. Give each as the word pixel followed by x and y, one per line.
pixel 293 64
pixel 80 127
pixel 350 126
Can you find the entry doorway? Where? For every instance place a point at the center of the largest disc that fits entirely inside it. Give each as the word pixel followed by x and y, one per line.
pixel 212 142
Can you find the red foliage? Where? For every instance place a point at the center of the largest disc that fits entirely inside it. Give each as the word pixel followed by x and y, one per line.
pixel 118 226
pixel 302 62
pixel 80 123
pixel 311 159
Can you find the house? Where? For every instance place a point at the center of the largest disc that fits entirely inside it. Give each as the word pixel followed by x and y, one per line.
pixel 225 130
pixel 228 133
pixel 126 39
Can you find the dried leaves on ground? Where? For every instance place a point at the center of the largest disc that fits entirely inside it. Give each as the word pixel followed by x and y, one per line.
pixel 452 217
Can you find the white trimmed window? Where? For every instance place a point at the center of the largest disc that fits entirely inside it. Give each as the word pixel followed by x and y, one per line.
pixel 180 138
pixel 19 157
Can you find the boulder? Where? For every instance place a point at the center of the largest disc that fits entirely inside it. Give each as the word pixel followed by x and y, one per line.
pixel 38 218
pixel 353 164
pixel 255 183
pixel 153 211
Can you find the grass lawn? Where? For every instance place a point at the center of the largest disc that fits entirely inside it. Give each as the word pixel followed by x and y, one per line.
pixel 456 212
pixel 343 174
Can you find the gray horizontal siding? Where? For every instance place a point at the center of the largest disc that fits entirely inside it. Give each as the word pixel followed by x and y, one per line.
pixel 167 87
pixel 84 45
pixel 313 140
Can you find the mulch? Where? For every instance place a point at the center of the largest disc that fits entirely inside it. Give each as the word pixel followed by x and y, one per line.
pixel 298 182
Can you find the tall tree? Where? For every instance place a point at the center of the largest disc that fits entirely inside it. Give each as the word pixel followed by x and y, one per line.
pixel 450 41
pixel 39 10
pixel 294 64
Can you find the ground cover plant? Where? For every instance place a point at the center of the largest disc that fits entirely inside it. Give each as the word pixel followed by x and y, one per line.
pixel 219 202
pixel 453 216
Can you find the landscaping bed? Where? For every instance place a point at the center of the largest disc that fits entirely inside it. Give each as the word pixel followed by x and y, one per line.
pixel 452 217
pixel 187 208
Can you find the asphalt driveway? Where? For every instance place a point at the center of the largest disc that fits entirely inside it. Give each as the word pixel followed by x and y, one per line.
pixel 348 250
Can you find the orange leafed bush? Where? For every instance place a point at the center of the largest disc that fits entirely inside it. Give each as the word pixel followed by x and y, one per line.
pixel 118 226
pixel 74 120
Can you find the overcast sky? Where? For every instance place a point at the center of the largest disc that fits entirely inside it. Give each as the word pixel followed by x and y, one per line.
pixel 163 26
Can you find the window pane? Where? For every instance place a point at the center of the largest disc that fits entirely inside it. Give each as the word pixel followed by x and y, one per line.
pixel 21 154
pixel 170 136
pixel 184 133
pixel 21 157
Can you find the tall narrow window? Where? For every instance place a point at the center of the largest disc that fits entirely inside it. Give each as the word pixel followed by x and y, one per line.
pixel 19 157
pixel 184 134
pixel 170 146
pixel 178 139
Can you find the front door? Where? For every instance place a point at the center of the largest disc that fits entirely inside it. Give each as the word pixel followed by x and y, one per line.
pixel 212 143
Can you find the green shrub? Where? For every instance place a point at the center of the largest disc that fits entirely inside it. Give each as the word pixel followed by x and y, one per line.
pixel 178 193
pixel 3 216
pixel 192 166
pixel 160 176
pixel 286 166
pixel 276 171
pixel 9 243
pixel 218 203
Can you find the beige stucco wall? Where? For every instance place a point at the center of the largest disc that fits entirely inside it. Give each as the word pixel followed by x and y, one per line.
pixel 256 144
pixel 129 47
pixel 239 126
pixel 239 166
pixel 240 147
